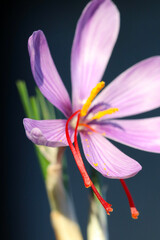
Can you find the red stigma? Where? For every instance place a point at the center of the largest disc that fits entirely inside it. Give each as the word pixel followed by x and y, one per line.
pixel 78 159
pixel 107 206
pixel 134 211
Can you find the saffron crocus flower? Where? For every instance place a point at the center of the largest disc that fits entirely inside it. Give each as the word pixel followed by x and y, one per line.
pixel 94 116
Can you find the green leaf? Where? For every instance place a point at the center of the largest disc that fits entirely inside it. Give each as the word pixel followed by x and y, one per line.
pixel 32 110
pixel 96 180
pixel 43 105
pixel 35 108
pixel 42 161
pixel 51 110
pixel 65 173
pixel 23 92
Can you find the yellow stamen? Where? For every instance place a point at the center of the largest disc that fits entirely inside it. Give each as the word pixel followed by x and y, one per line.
pixel 93 94
pixel 105 112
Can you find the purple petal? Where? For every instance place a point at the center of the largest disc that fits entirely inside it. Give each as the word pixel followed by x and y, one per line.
pixel 95 36
pixel 106 158
pixel 143 134
pixel 46 75
pixel 135 91
pixel 49 133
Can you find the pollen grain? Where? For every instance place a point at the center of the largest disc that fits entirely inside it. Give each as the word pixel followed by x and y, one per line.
pixel 95 164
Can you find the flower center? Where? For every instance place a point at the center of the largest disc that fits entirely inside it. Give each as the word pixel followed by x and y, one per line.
pixel 83 112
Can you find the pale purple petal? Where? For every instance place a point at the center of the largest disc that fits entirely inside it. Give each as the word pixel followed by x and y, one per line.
pixel 135 91
pixel 106 158
pixel 46 75
pixel 143 134
pixel 95 36
pixel 49 133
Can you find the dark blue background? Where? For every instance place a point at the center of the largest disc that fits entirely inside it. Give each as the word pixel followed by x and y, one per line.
pixel 25 207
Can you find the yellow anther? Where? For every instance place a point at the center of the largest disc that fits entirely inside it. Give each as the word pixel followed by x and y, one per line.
pixel 105 112
pixel 86 139
pixel 95 164
pixel 104 168
pixel 87 154
pixel 93 94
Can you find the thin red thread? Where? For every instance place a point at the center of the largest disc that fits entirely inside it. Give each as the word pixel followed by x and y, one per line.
pixel 76 153
pixel 129 196
pixel 134 211
pixel 78 161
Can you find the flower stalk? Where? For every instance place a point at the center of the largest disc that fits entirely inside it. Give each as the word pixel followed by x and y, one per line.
pixel 62 214
pixel 97 223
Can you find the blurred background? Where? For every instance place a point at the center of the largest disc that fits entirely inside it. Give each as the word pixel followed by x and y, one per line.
pixel 25 208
